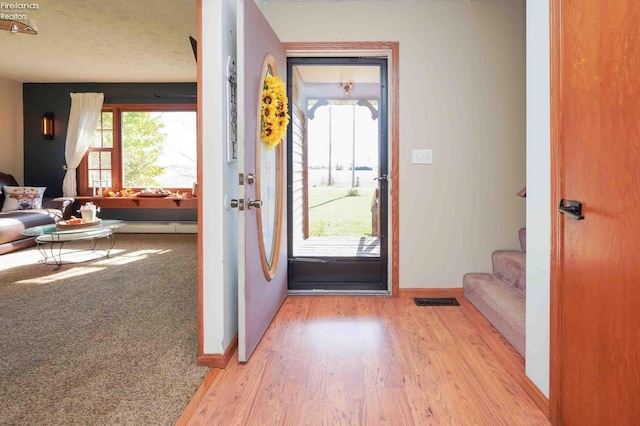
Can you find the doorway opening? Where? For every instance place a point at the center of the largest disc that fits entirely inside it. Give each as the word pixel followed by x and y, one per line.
pixel 337 174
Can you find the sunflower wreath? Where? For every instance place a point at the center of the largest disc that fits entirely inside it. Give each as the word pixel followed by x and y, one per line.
pixel 274 111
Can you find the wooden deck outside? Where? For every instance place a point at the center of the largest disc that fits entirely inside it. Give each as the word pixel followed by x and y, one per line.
pixel 338 247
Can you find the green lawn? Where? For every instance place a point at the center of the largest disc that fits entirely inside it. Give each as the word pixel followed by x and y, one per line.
pixel 333 212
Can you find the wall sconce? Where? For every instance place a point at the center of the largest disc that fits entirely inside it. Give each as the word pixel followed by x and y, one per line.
pixel 47 125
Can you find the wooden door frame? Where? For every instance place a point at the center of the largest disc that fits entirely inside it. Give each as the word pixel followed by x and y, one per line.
pixel 392 51
pixel 557 228
pixel 556 224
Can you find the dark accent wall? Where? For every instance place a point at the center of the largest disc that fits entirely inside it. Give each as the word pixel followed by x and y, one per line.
pixel 43 159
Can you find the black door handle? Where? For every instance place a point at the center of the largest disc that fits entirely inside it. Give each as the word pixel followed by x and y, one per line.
pixel 571 208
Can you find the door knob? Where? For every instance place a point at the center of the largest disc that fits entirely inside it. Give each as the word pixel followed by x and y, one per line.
pixel 254 203
pixel 571 208
pixel 382 178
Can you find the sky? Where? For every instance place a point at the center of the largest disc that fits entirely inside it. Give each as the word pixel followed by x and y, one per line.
pixel 180 154
pixel 342 137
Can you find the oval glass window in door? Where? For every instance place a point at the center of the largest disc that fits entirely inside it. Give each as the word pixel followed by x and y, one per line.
pixel 269 165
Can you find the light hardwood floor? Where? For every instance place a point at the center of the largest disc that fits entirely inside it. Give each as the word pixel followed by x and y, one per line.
pixel 372 361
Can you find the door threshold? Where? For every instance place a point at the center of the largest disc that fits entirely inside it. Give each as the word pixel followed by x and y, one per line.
pixel 339 293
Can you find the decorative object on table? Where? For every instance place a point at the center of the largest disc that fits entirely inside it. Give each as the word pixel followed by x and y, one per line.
pixel 76 223
pixel 153 193
pixel 88 212
pixel 99 187
pixel 274 111
pixel 125 192
pixel 179 195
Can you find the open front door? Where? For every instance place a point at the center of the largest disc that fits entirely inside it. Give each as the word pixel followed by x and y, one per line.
pixel 262 275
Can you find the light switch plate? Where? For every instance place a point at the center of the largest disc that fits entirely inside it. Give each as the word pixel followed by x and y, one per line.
pixel 422 156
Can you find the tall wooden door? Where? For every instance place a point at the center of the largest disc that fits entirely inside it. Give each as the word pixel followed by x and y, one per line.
pixel 262 275
pixel 596 266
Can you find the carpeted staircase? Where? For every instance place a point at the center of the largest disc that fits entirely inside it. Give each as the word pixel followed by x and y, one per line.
pixel 500 296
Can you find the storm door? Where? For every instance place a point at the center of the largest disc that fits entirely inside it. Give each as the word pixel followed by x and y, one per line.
pixel 337 175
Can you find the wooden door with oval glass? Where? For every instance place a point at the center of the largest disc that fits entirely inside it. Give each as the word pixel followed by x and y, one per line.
pixel 262 122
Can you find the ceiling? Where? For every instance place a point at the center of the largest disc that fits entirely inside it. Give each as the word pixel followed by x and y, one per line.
pixel 102 41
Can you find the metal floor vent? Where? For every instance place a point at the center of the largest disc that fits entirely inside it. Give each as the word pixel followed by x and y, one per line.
pixel 437 301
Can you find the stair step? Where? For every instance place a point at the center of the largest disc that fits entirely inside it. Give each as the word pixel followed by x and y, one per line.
pixel 522 235
pixel 500 303
pixel 510 266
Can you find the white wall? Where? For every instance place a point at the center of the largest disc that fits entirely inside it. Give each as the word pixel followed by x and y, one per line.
pixel 538 194
pixel 219 236
pixel 462 83
pixel 11 129
pixel 462 94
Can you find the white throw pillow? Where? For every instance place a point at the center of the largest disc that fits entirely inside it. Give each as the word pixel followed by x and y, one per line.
pixel 22 198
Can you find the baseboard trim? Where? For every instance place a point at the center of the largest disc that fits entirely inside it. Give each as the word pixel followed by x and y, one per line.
pixel 431 292
pixel 159 227
pixel 190 410
pixel 219 360
pixel 536 395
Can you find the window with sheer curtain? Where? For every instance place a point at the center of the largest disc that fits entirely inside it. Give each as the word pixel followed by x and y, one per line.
pixel 142 146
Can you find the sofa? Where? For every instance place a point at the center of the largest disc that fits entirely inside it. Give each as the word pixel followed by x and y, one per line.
pixel 17 216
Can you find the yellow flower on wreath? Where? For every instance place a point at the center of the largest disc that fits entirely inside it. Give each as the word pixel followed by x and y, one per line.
pixel 274 111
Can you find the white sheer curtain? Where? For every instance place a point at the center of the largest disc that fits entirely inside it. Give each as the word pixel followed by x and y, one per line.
pixel 83 121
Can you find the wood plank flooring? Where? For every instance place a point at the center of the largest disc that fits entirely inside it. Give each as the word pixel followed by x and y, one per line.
pixel 372 361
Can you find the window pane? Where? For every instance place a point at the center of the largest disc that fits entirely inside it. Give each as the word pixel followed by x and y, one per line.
pixel 107 120
pixel 107 138
pixel 104 132
pixel 94 160
pixel 94 176
pixel 96 142
pixel 106 176
pixel 159 149
pixel 99 168
pixel 105 160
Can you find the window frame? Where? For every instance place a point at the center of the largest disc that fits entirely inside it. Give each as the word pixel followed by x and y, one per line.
pixel 84 187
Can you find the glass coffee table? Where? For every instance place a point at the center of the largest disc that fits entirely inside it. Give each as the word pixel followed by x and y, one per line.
pixel 50 238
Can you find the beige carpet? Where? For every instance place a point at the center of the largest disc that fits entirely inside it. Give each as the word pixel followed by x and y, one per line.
pixel 108 341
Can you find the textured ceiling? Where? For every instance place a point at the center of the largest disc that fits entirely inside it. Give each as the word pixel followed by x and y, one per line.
pixel 102 41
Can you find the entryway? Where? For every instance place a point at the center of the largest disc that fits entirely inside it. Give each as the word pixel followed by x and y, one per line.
pixel 338 174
